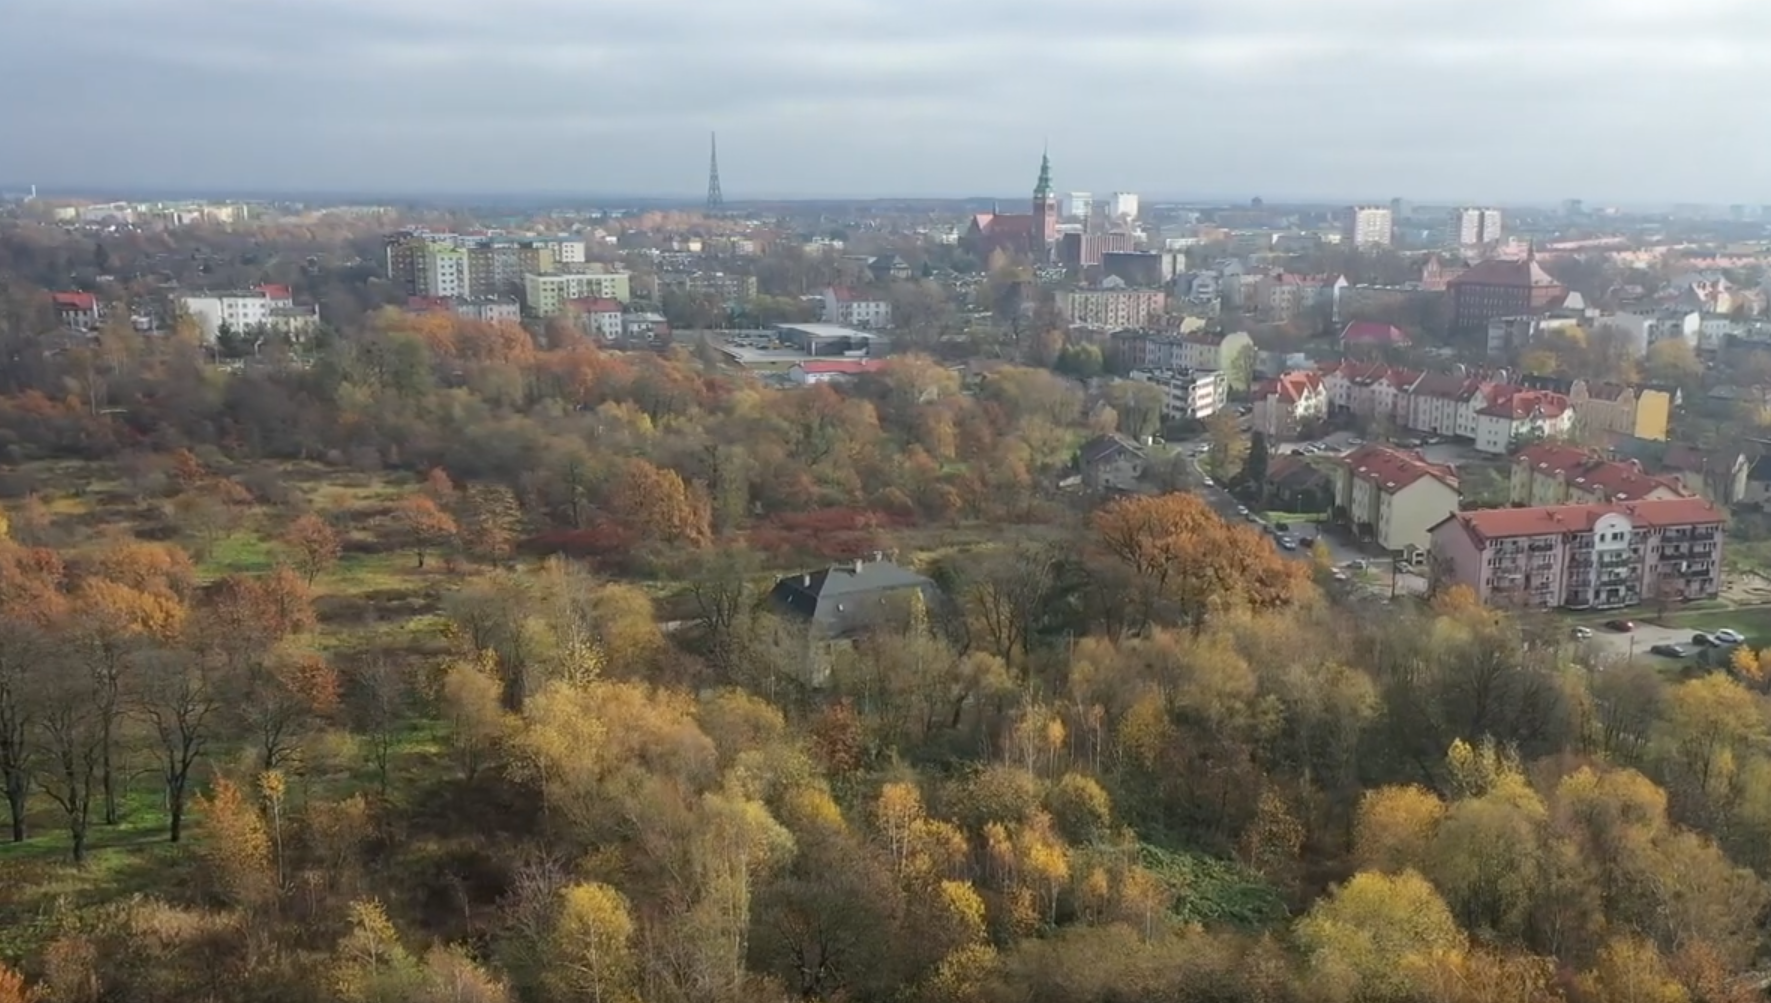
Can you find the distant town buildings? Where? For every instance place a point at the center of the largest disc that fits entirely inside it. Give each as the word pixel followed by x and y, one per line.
pixel 1123 206
pixel 1112 308
pixel 1367 226
pixel 720 285
pixel 266 308
pixel 1475 227
pixel 1034 234
pixel 546 295
pixel 1393 498
pixel 1501 288
pixel 1289 403
pixel 855 309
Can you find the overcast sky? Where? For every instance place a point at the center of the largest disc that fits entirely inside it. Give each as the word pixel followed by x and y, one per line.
pixel 1484 100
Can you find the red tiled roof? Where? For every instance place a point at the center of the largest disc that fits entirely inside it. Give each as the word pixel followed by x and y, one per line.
pixel 1611 479
pixel 1548 520
pixel 1393 469
pixel 276 292
pixel 1515 403
pixel 1499 272
pixel 83 302
pixel 1365 332
pixel 842 366
pixel 593 304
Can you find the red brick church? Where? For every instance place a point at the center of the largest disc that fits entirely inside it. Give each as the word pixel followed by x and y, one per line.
pixel 1032 235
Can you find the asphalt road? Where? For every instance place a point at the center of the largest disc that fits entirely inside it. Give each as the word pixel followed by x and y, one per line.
pixel 1226 505
pixel 1637 642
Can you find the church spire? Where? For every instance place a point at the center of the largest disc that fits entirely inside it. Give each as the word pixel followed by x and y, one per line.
pixel 1044 188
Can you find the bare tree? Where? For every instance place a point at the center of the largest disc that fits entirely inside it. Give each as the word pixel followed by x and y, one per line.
pixel 378 693
pixel 22 648
pixel 72 730
pixel 180 696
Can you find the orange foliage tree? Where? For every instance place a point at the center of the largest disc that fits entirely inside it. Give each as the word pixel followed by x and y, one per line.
pixel 657 505
pixel 1185 559
pixel 312 544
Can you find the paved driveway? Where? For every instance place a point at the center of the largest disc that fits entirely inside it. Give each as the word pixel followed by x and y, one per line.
pixel 1638 641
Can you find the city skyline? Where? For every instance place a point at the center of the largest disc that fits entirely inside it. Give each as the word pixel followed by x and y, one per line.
pixel 1327 100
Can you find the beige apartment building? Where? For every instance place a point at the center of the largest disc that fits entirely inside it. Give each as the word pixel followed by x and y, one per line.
pixel 1551 473
pixel 547 295
pixel 1393 498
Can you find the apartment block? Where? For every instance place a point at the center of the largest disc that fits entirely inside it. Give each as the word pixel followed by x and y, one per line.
pixel 1604 556
pixel 547 295
pixel 1550 473
pixel 855 309
pixel 265 308
pixel 1113 307
pixel 1471 227
pixel 723 285
pixel 1393 498
pixel 1187 393
pixel 1367 225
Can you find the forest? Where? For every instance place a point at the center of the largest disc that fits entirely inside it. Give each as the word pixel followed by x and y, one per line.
pixel 434 663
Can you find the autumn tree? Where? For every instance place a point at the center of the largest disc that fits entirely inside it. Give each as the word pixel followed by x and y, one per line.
pixel 313 546
pixel 236 845
pixel 25 650
pixel 1359 936
pixel 490 522
pixel 370 965
pixel 659 507
pixel 426 525
pixel 472 701
pixel 283 695
pixel 590 951
pixel 72 729
pixel 1185 560
pixel 1228 447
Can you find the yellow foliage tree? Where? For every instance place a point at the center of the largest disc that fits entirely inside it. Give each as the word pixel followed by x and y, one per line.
pixel 236 844
pixel 1631 970
pixel 1394 826
pixel 1359 936
pixel 370 965
pixel 590 953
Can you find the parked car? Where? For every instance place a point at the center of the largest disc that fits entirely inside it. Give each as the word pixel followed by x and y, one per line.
pixel 1340 576
pixel 1670 650
pixel 1728 635
pixel 1288 543
pixel 1358 565
pixel 1621 626
pixel 1582 633
pixel 1242 510
pixel 1282 527
pixel 1703 640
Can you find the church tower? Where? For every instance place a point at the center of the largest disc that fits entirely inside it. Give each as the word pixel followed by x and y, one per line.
pixel 1045 212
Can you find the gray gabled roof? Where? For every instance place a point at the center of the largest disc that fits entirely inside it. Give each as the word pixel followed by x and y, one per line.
pixel 845 598
pixel 1104 447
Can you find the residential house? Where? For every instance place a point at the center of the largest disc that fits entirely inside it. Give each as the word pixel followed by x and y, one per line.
pixel 1437 273
pixel 1436 403
pixel 1294 484
pixel 843 602
pixel 1514 415
pixel 1284 406
pixel 1113 308
pixel 1593 556
pixel 644 326
pixel 831 370
pixel 1110 462
pixel 1509 336
pixel 1392 497
pixel 77 311
pixel 1758 482
pixel 1610 411
pixel 889 268
pixel 851 308
pixel 1552 473
pixel 597 317
pixel 1371 390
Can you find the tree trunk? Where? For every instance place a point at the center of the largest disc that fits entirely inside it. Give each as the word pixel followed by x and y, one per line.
pixel 110 781
pixel 15 803
pixel 175 809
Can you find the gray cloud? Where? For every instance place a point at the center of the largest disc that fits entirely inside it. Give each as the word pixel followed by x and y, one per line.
pixel 1503 99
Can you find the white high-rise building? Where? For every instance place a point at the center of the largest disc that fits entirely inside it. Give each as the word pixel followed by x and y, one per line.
pixel 1367 225
pixel 1077 205
pixel 1123 206
pixel 1474 227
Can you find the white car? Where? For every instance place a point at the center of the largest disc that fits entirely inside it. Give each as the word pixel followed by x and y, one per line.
pixel 1242 510
pixel 1728 635
pixel 1209 484
pixel 1582 633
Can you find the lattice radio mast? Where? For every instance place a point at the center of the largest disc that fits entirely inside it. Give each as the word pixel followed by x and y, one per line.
pixel 715 200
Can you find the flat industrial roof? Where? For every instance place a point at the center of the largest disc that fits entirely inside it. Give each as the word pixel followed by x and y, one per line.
pixel 825 330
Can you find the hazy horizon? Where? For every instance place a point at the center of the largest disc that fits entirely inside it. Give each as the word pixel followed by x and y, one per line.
pixel 1297 100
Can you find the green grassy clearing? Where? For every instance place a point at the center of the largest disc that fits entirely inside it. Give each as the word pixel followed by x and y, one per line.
pixel 1754 622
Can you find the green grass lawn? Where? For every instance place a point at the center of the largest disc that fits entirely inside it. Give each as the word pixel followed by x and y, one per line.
pixel 242 553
